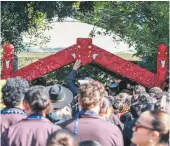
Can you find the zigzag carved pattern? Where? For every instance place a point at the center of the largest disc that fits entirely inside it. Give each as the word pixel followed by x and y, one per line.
pixel 124 67
pixel 46 65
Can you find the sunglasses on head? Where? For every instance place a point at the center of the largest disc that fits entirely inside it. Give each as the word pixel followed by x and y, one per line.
pixel 137 126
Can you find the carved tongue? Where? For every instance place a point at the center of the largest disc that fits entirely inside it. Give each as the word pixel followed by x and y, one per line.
pixel 7 63
pixel 163 63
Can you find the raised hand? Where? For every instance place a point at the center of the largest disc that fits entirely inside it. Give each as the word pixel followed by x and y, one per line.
pixel 77 65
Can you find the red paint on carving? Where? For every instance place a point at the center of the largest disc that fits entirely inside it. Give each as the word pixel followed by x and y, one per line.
pixel 87 53
pixel 7 60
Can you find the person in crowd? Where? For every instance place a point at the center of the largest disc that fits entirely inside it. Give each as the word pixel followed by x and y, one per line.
pixel 61 138
pixel 106 111
pixel 71 79
pixel 163 101
pixel 113 88
pixel 12 97
pixel 138 89
pixel 34 130
pixel 61 99
pixel 151 129
pixel 124 101
pixel 154 90
pixel 89 143
pixel 142 104
pixel 88 125
pixel 145 99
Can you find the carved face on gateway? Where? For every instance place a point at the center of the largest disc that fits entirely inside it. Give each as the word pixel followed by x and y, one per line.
pixel 162 55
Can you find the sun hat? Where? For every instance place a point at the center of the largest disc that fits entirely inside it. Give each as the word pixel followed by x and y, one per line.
pixel 59 95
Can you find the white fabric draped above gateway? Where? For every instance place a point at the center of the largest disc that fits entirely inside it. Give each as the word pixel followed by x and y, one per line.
pixel 64 34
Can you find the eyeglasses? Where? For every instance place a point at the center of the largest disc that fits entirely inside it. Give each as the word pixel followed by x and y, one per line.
pixel 137 126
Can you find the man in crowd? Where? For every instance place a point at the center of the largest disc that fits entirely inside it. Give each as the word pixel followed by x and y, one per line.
pixel 88 124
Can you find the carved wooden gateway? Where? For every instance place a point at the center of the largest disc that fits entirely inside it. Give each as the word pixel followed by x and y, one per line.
pixel 87 53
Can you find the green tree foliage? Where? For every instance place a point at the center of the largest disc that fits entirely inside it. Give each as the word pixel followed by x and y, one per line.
pixel 142 24
pixel 18 17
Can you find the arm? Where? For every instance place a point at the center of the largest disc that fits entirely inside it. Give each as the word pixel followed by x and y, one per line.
pixel 72 77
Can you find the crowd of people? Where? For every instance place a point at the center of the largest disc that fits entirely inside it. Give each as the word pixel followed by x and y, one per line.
pixel 86 114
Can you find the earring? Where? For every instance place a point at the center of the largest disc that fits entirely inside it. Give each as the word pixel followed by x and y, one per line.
pixel 150 141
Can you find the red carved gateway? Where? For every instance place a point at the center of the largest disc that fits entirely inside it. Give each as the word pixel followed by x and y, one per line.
pixel 87 53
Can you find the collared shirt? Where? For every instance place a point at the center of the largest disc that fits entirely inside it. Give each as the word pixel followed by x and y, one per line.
pixel 95 127
pixel 29 132
pixel 8 119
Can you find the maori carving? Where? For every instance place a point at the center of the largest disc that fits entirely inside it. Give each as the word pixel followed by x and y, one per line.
pixel 8 60
pixel 45 65
pixel 87 53
pixel 162 64
pixel 125 68
pixel 83 50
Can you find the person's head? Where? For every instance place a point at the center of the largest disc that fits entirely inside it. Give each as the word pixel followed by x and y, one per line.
pixel 123 100
pixel 155 90
pixel 89 143
pixel 113 88
pixel 152 128
pixel 143 97
pixel 59 96
pixel 138 89
pixel 37 101
pixel 61 138
pixel 91 95
pixel 13 92
pixel 106 108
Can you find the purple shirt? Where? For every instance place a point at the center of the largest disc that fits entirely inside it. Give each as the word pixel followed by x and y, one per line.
pixel 11 119
pixel 29 132
pixel 95 127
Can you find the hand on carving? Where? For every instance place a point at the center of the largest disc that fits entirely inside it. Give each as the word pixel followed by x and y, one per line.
pixel 77 65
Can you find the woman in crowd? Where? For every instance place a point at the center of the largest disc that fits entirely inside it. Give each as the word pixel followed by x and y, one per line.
pixel 12 97
pixel 61 138
pixel 151 129
pixel 34 130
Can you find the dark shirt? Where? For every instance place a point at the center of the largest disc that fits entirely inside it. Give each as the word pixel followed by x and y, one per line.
pixel 11 118
pixel 95 127
pixel 71 82
pixel 29 132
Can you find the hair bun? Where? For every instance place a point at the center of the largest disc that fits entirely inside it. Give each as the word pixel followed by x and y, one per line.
pixel 63 141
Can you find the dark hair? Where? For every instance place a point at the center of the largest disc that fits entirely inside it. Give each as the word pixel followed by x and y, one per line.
pixel 37 98
pixel 13 91
pixel 160 126
pixel 61 138
pixel 89 143
pixel 139 89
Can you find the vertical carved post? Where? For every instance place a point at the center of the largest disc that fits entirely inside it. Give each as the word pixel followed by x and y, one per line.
pixel 7 60
pixel 162 64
